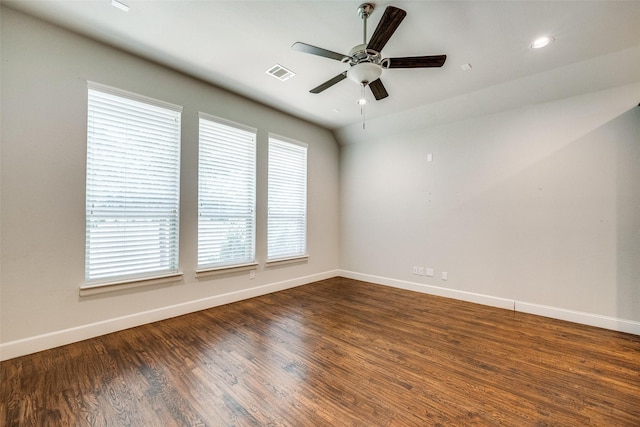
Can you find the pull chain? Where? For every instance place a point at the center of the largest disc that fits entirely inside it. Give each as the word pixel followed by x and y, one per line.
pixel 363 103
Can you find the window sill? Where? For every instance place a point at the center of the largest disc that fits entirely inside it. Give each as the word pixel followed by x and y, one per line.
pixel 101 288
pixel 284 261
pixel 214 271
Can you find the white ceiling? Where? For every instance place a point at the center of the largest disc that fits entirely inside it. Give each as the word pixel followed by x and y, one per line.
pixel 231 43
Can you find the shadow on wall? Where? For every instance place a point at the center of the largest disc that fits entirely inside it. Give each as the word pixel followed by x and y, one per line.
pixel 628 196
pixel 564 231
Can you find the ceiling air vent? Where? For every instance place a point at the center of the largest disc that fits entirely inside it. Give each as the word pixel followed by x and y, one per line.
pixel 280 73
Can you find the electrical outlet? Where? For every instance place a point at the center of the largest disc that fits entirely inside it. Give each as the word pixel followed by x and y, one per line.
pixel 415 270
pixel 252 274
pixel 445 275
pixel 429 272
pixel 420 271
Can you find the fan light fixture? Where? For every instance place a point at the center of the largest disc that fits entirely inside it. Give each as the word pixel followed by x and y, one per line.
pixel 364 73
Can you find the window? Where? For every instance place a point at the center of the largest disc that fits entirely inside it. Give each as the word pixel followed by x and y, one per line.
pixel 133 183
pixel 226 194
pixel 287 200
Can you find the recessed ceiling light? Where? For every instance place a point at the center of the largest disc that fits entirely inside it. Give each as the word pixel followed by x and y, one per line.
pixel 541 42
pixel 120 5
pixel 466 67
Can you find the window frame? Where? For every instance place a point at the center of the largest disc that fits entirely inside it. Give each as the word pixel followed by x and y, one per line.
pixel 103 126
pixel 240 132
pixel 299 255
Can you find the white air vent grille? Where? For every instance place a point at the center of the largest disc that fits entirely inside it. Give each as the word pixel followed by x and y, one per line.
pixel 280 73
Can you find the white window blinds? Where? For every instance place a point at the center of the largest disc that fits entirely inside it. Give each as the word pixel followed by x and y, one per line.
pixel 133 183
pixel 226 193
pixel 287 200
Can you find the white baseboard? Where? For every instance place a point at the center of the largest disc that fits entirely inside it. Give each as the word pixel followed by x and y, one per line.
pixel 606 322
pixel 432 290
pixel 12 349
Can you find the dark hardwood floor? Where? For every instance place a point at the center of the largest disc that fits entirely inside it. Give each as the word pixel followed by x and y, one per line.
pixel 334 353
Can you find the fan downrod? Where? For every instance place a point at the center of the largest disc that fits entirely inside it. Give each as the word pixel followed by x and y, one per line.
pixel 364 10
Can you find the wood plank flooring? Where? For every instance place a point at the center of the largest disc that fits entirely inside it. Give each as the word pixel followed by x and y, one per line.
pixel 334 353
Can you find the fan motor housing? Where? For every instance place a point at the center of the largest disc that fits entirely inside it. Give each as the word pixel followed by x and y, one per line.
pixel 360 53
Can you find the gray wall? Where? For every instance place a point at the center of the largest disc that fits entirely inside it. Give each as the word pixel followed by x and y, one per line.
pixel 539 204
pixel 44 74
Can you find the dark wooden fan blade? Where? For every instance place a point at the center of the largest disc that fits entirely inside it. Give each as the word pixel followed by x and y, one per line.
pixel 386 27
pixel 417 61
pixel 378 90
pixel 329 83
pixel 314 50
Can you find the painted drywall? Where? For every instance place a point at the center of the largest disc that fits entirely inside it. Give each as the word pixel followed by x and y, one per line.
pixel 537 204
pixel 612 70
pixel 45 70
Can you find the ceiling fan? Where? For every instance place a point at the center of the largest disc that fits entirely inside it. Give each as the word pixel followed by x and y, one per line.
pixel 365 60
